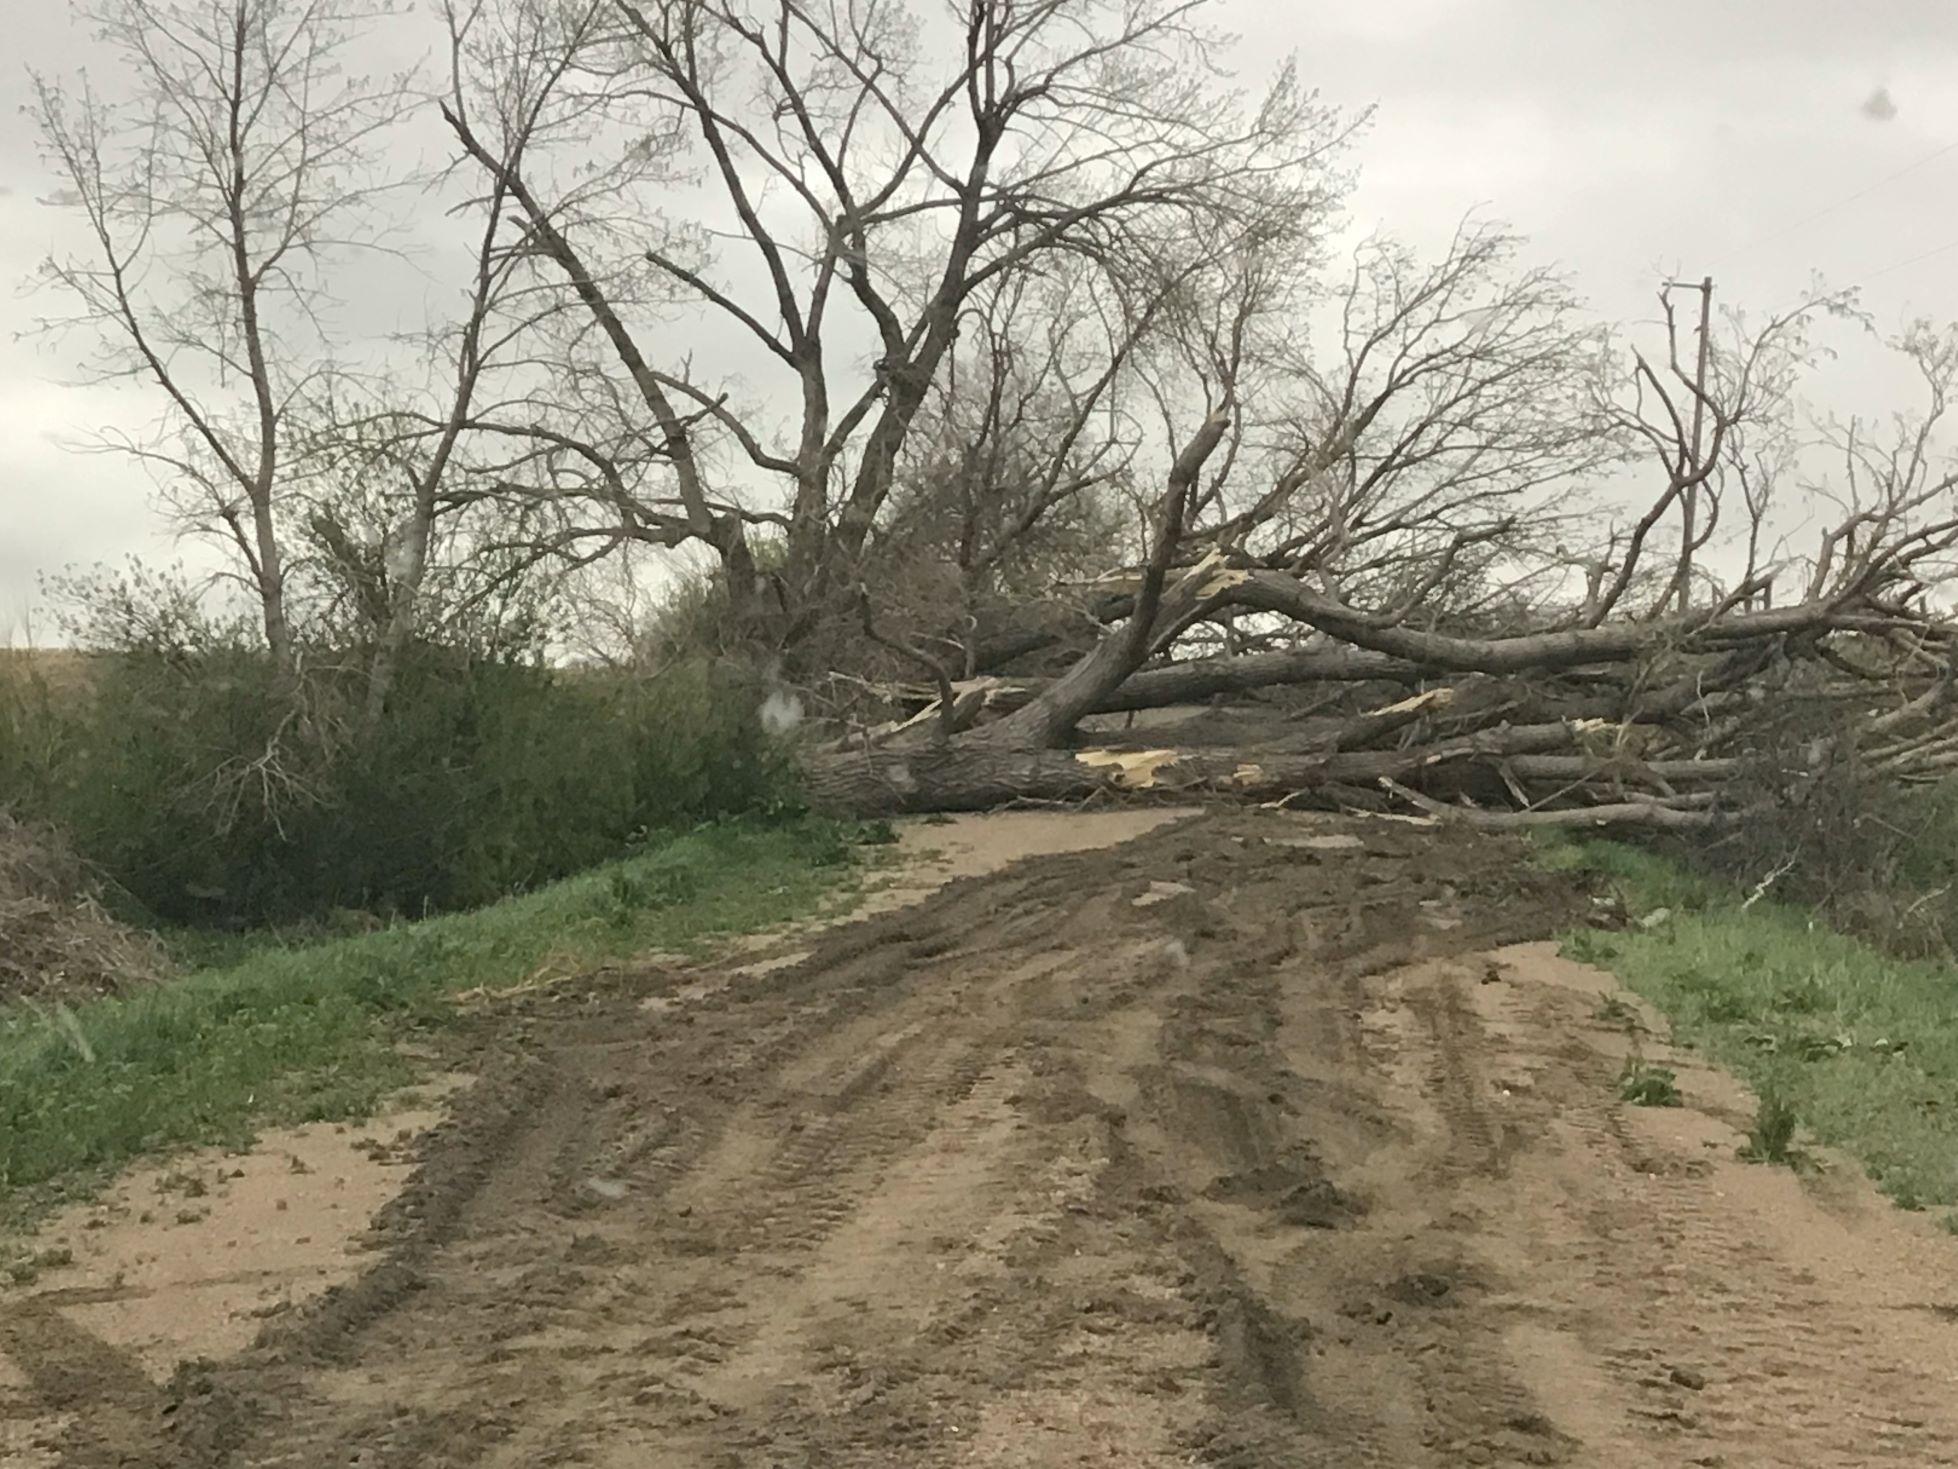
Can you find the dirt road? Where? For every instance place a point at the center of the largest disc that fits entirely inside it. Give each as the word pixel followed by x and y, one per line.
pixel 1249 1143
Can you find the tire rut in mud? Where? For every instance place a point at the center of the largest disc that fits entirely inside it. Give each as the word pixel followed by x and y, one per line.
pixel 846 1207
pixel 1234 1146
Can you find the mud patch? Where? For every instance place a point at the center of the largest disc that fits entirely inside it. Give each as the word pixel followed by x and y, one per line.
pixel 987 1181
pixel 1294 1193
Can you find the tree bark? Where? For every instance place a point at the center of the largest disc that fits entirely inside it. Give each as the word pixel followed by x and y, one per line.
pixel 976 775
pixel 1540 652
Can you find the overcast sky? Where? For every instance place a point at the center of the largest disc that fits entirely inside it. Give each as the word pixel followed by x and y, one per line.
pixel 1626 137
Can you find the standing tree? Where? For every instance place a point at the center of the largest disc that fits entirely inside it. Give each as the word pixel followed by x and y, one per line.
pixel 874 179
pixel 217 194
pixel 229 198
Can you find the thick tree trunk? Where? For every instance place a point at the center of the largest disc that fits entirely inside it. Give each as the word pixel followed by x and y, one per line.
pixel 1206 678
pixel 976 775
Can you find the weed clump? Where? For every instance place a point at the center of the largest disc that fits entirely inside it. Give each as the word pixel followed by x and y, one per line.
pixel 1645 1085
pixel 1772 1138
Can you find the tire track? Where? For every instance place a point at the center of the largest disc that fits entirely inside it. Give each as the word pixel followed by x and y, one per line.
pixel 1215 1150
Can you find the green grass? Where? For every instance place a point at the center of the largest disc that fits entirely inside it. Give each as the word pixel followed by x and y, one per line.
pixel 1858 1047
pixel 1772 1137
pixel 312 1033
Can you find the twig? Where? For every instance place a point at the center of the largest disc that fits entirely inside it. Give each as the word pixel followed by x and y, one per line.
pixel 1761 888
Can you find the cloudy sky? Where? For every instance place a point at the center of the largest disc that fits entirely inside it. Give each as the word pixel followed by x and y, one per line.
pixel 1754 140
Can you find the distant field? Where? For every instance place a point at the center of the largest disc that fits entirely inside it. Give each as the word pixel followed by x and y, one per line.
pixel 58 668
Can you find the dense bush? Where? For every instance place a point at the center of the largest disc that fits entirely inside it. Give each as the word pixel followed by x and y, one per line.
pixel 195 778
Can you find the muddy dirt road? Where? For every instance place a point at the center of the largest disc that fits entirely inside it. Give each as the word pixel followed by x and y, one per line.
pixel 1248 1143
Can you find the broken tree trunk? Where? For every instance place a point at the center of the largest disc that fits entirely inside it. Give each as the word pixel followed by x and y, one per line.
pixel 1198 679
pixel 1681 721
pixel 977 776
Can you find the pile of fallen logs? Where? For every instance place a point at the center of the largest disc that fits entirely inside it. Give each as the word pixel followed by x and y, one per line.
pixel 1690 720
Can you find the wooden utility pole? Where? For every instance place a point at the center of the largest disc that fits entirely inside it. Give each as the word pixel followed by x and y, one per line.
pixel 1683 579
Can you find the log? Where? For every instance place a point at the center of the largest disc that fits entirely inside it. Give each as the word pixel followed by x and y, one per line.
pixel 1206 678
pixel 978 775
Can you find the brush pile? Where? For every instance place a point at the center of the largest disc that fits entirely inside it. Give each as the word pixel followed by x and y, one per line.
pixel 57 941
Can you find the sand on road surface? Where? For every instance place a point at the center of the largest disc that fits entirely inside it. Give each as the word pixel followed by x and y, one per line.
pixel 1253 1141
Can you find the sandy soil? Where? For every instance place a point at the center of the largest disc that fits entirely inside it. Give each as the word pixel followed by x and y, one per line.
pixel 1253 1142
pixel 187 1260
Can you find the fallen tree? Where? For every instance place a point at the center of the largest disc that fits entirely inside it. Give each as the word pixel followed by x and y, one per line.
pixel 1409 643
pixel 1628 744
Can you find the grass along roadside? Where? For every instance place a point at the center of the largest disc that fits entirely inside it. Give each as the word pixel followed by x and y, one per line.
pixel 317 1033
pixel 1858 1047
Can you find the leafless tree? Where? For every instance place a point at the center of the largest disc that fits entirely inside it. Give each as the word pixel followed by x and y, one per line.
pixel 876 178
pixel 216 194
pixel 400 461
pixel 231 200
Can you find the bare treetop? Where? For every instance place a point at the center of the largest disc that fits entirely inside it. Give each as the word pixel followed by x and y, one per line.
pixel 217 193
pixel 880 178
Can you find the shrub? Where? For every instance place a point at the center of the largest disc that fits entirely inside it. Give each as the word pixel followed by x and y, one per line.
pixel 193 776
pixel 1648 1086
pixel 1772 1137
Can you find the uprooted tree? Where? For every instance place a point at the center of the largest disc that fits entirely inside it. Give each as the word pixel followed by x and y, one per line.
pixel 995 362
